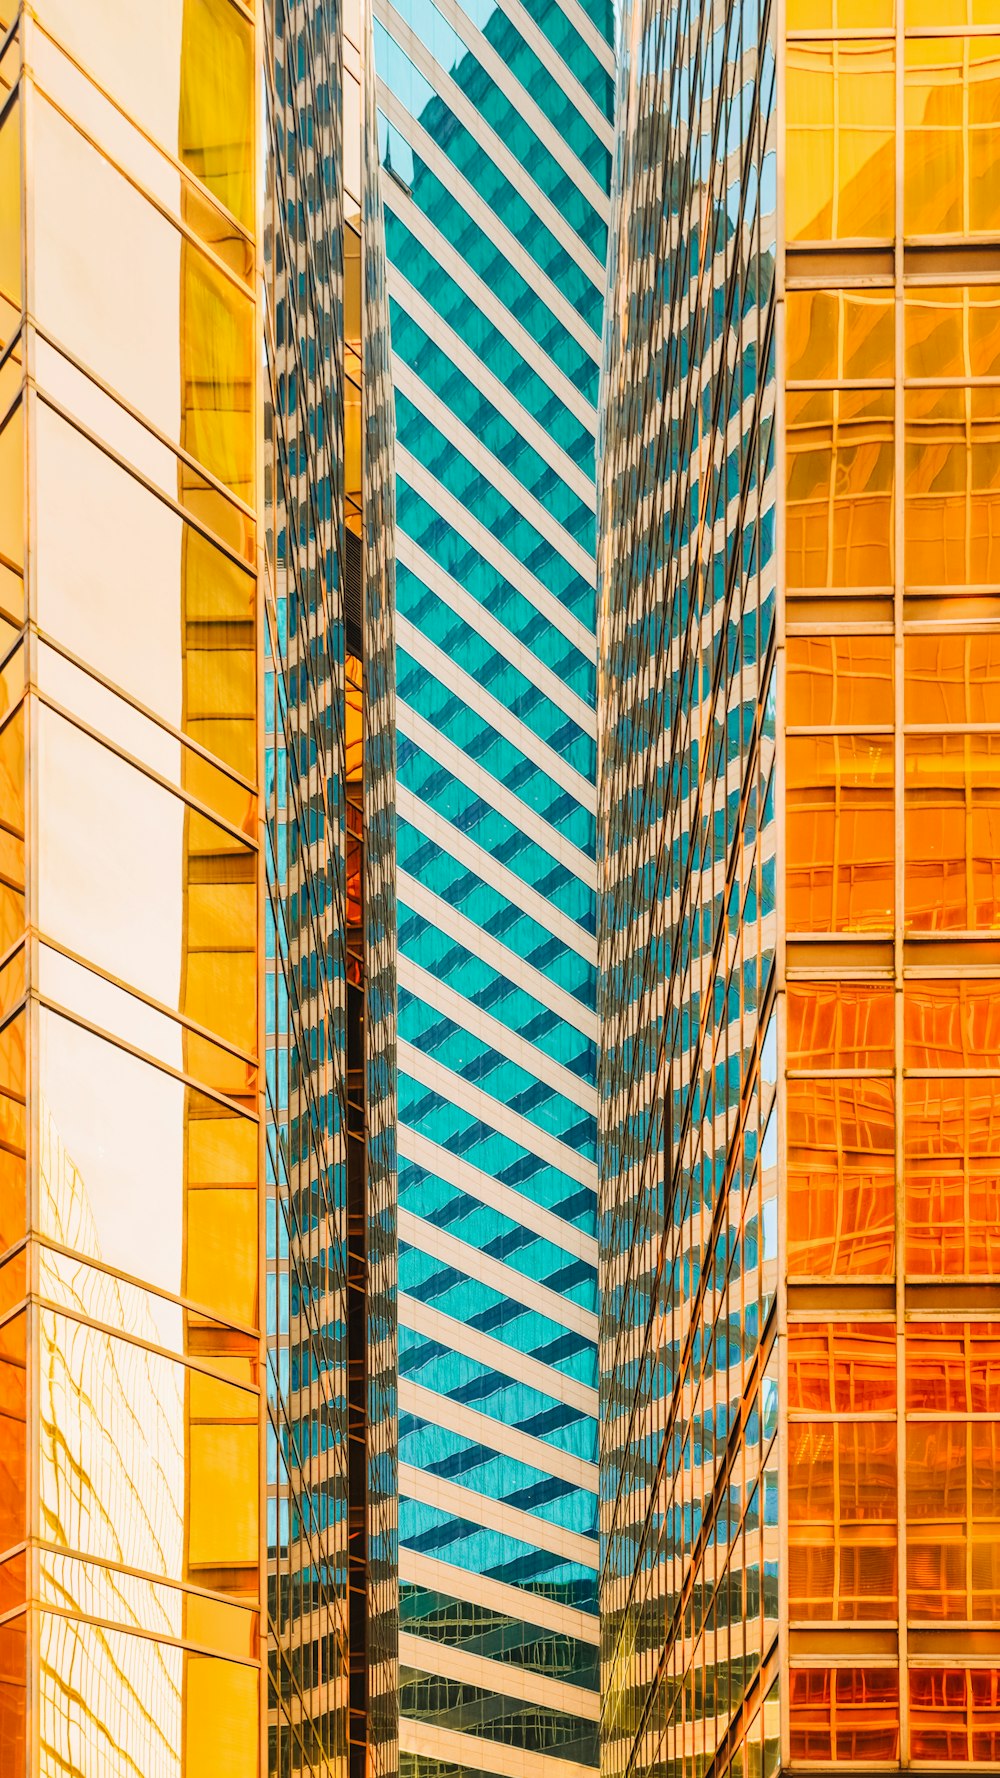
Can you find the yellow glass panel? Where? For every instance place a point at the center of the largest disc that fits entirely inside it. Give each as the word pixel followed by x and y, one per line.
pixel 185 73
pixel 841 1172
pixel 952 678
pixel 839 870
pixel 838 334
pixel 151 891
pixel 11 285
pixel 13 1132
pixel 952 832
pixel 953 332
pixel 842 1511
pixel 838 15
pixel 840 154
pixel 186 649
pixel 13 1430
pixel 12 830
pixel 952 1177
pixel 838 681
pixel 12 490
pixel 952 492
pixel 151 1210
pixel 952 164
pixel 111 274
pixel 222 1715
pixel 952 1024
pixel 934 14
pixel 842 1367
pixel 839 483
pixel 840 1025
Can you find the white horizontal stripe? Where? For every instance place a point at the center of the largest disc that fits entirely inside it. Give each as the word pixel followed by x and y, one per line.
pixel 495 553
pixel 478 371
pixel 479 1589
pixel 495 1515
pixel 502 1677
pixel 502 479
pixel 448 671
pixel 427 150
pixel 474 1753
pixel 483 865
pixel 513 968
pixel 473 1263
pixel 495 1115
pixel 496 1435
pixel 496 634
pixel 523 819
pixel 515 1205
pixel 481 297
pixel 495 1035
pixel 496 1355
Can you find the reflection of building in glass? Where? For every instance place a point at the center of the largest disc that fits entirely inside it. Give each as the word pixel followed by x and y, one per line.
pixel 177 436
pixel 495 139
pixel 800 710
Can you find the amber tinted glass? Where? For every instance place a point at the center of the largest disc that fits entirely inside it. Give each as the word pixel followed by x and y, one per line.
pixel 842 1513
pixel 840 132
pixel 953 679
pixel 841 1195
pixel 839 335
pixel 952 156
pixel 953 831
pixel 838 681
pixel 953 332
pixel 839 483
pixel 844 1714
pixel 840 1025
pixel 952 1024
pixel 847 1367
pixel 953 1367
pixel 952 1177
pixel 952 495
pixel 839 870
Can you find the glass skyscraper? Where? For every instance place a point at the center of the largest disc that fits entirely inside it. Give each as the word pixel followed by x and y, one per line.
pixel 495 139
pixel 197 909
pixel 800 1077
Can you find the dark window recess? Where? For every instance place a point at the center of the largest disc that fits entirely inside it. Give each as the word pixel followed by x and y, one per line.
pixel 353 600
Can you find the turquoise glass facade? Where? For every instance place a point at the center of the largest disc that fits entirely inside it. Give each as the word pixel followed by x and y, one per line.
pixel 495 139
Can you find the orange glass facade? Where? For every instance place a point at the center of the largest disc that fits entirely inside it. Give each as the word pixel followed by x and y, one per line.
pixel 890 313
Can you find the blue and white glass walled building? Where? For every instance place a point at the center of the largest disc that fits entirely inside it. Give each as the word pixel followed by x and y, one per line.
pixel 495 139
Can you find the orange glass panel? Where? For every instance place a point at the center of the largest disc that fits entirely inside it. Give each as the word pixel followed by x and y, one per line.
pixel 952 1177
pixel 13 1430
pixel 842 1513
pixel 838 681
pixel 952 679
pixel 953 332
pixel 13 1132
pixel 839 484
pixel 952 1024
pixel 840 1025
pixel 952 154
pixel 840 870
pixel 842 1367
pixel 11 292
pixel 13 1696
pixel 952 491
pixel 841 1193
pixel 12 493
pixel 839 161
pixel 832 335
pixel 937 1507
pixel 952 832
pixel 953 1366
pixel 846 1713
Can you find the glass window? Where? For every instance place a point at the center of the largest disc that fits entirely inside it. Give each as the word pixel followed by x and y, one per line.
pixel 952 1024
pixel 185 73
pixel 144 886
pixel 180 1213
pixel 111 273
pixel 952 679
pixel 844 1713
pixel 842 1521
pixel 952 108
pixel 952 491
pixel 841 1178
pixel 955 1714
pixel 840 141
pixel 838 681
pixel 840 1025
pixel 835 336
pixel 952 832
pixel 953 332
pixel 953 1367
pixel 953 1519
pixel 952 1178
pixel 840 871
pixel 839 484
pixel 13 1430
pixel 11 290
pixel 842 1367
